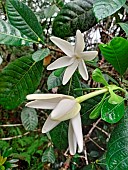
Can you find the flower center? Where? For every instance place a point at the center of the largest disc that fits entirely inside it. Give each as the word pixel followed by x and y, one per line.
pixel 77 57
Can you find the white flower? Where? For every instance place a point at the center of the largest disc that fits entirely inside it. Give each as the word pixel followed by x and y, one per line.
pixel 64 107
pixel 75 57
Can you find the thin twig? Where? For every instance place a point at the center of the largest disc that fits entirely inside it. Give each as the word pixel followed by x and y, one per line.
pixel 11 125
pixel 96 144
pixel 106 133
pixel 14 137
pixel 85 156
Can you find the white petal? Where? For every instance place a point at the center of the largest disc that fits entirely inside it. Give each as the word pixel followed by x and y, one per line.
pixel 88 55
pixel 49 125
pixel 43 104
pixel 79 42
pixel 69 71
pixel 83 70
pixel 66 109
pixel 47 96
pixel 71 139
pixel 61 62
pixel 77 127
pixel 65 46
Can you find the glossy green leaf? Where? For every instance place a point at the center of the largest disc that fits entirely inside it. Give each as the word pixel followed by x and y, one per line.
pixel 105 8
pixel 11 36
pixel 29 118
pixel 74 15
pixel 97 110
pixel 18 79
pixel 98 77
pixel 116 53
pixel 124 26
pixel 55 78
pixel 87 107
pixel 57 133
pixel 22 17
pixel 117 148
pixel 112 113
pixel 40 54
pixel 48 155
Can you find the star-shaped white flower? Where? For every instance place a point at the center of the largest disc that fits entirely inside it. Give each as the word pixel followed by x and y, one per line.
pixel 63 107
pixel 74 58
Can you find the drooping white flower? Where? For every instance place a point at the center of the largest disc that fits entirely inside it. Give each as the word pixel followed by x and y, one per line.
pixel 74 58
pixel 63 107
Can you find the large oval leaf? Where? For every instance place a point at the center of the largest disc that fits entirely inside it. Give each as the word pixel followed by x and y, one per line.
pixel 29 118
pixel 116 53
pixel 117 149
pixel 22 17
pixel 112 113
pixel 48 155
pixel 18 79
pixel 104 8
pixel 10 35
pixel 74 15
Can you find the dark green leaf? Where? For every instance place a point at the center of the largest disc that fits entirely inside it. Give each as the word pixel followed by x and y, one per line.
pixel 116 53
pixel 55 78
pixel 22 17
pixel 40 54
pixel 18 79
pixel 124 26
pixel 29 118
pixel 105 8
pixel 10 35
pixel 48 155
pixel 112 113
pixel 117 149
pixel 57 133
pixel 74 15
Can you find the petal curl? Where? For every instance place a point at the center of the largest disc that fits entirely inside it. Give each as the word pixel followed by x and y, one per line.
pixel 49 125
pixel 88 55
pixel 69 71
pixel 83 70
pixel 65 46
pixel 72 139
pixel 61 62
pixel 79 42
pixel 77 127
pixel 66 109
pixel 48 96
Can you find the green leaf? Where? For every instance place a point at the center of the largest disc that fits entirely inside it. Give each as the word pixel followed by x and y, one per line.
pixel 74 15
pixel 10 35
pixel 117 149
pixel 40 54
pixel 112 113
pixel 97 110
pixel 105 8
pixel 48 155
pixel 22 17
pixel 55 78
pixel 29 118
pixel 49 12
pixel 124 26
pixel 87 107
pixel 116 53
pixel 57 133
pixel 18 79
pixel 98 77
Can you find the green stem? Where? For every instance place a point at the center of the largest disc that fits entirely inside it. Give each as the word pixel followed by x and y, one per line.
pixel 90 95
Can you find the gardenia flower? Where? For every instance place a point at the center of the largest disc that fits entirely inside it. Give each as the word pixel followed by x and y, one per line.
pixel 63 107
pixel 74 58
